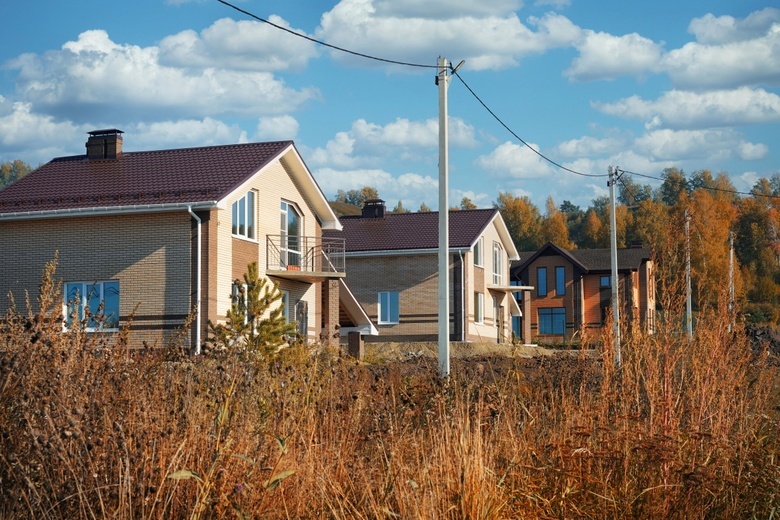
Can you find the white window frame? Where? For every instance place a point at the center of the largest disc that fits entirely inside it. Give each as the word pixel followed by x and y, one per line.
pixel 290 255
pixel 84 302
pixel 384 313
pixel 498 263
pixel 246 208
pixel 479 252
pixel 479 308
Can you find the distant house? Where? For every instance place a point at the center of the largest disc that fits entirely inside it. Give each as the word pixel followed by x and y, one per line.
pixel 162 234
pixel 392 268
pixel 573 289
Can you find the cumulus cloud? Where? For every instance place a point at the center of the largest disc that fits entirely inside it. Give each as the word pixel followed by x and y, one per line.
pixel 752 151
pixel 684 109
pixel 712 145
pixel 184 133
pixel 94 76
pixel 588 145
pixel 514 161
pixel 717 30
pixel 729 64
pixel 276 128
pixel 603 56
pixel 487 35
pixel 365 143
pixel 410 188
pixel 238 45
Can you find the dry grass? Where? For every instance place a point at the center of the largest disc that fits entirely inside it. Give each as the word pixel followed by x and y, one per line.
pixel 91 430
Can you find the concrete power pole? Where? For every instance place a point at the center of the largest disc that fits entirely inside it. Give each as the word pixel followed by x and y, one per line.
pixel 731 281
pixel 613 175
pixel 688 310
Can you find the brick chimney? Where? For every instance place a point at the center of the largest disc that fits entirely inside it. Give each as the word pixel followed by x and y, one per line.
pixel 373 208
pixel 104 144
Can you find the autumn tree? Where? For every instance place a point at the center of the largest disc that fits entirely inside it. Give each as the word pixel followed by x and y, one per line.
pixel 554 228
pixel 424 208
pixel 673 187
pixel 630 192
pixel 523 220
pixel 399 208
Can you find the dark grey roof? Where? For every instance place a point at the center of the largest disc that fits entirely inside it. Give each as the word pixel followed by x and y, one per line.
pixel 404 231
pixel 588 260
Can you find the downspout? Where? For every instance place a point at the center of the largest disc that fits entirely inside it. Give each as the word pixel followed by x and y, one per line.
pixel 463 312
pixel 197 283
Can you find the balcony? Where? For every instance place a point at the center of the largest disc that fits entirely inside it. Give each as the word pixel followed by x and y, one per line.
pixel 307 259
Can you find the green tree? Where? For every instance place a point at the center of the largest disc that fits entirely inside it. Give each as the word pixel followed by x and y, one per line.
pixel 357 197
pixel 399 208
pixel 523 220
pixel 255 323
pixel 673 187
pixel 11 172
pixel 630 192
pixel 465 203
pixel 424 208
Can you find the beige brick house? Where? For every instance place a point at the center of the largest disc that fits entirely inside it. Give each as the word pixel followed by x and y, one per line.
pixel 573 290
pixel 162 234
pixel 392 268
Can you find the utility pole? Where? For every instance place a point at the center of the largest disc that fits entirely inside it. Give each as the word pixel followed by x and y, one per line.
pixel 731 281
pixel 442 80
pixel 688 311
pixel 613 176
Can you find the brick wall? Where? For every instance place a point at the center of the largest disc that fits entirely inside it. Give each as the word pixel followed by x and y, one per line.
pixel 149 254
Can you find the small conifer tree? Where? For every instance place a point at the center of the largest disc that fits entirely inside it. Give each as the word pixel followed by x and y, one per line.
pixel 255 323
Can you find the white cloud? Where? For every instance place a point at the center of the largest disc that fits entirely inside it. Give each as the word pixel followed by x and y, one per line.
pixel 366 143
pixel 410 188
pixel 717 30
pixel 741 62
pixel 514 161
pixel 276 128
pixel 486 35
pixel 712 145
pixel 752 151
pixel 94 76
pixel 36 137
pixel 444 9
pixel 238 45
pixel 607 57
pixel 587 145
pixel 682 109
pixel 183 133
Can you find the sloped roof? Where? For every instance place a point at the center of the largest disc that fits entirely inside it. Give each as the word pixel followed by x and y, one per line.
pixel 413 231
pixel 588 259
pixel 188 175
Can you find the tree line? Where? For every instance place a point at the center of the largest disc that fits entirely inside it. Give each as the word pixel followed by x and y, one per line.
pixel 12 171
pixel 716 214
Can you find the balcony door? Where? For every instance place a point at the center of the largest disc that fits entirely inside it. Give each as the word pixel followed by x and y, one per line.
pixel 291 236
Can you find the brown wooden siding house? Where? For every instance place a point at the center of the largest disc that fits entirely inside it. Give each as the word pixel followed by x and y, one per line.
pixel 161 234
pixel 573 290
pixel 392 267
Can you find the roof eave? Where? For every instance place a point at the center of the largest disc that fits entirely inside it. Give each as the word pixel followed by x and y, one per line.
pixel 107 210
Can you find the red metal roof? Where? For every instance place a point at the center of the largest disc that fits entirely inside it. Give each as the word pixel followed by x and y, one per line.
pixel 404 231
pixel 188 175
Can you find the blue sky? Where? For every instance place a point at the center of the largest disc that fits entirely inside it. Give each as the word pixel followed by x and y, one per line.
pixel 640 85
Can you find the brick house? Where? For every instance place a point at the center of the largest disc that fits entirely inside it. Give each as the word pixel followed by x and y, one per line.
pixel 573 289
pixel 161 234
pixel 392 267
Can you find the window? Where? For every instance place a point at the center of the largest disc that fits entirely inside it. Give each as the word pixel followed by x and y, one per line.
pixel 560 281
pixel 97 301
pixel 291 235
pixel 498 263
pixel 286 305
pixel 552 321
pixel 479 307
pixel 388 307
pixel 541 281
pixel 605 282
pixel 244 216
pixel 240 298
pixel 478 252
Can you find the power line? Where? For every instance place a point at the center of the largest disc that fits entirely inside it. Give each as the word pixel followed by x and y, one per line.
pixel 320 42
pixel 520 138
pixel 708 188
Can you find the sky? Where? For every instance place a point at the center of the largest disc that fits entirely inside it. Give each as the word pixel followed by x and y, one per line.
pixel 641 86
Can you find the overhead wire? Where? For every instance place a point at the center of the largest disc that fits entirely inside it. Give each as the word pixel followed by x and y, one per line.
pixel 479 100
pixel 324 44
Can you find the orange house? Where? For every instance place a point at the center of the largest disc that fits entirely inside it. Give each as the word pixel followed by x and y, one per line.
pixel 573 290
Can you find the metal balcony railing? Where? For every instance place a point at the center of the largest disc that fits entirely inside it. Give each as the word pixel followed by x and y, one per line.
pixel 305 254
